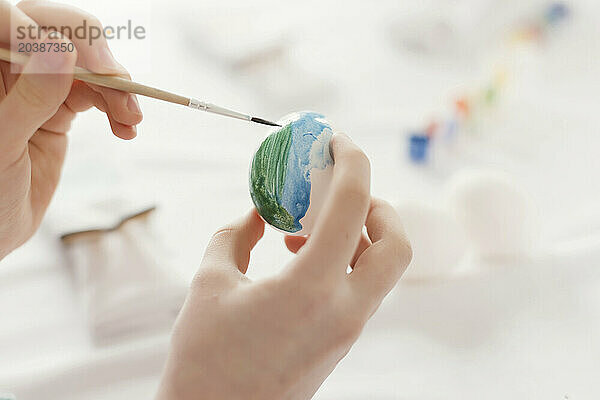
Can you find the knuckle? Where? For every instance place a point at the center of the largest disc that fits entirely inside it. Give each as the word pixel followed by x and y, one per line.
pixel 67 41
pixel 201 280
pixel 60 39
pixel 32 95
pixel 224 234
pixel 219 241
pixel 358 159
pixel 207 280
pixel 401 250
pixel 26 3
pixel 91 19
pixel 380 203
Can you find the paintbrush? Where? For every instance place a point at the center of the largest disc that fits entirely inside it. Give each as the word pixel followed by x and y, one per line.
pixel 124 85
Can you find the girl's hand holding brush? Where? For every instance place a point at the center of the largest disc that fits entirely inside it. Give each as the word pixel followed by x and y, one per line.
pixel 38 102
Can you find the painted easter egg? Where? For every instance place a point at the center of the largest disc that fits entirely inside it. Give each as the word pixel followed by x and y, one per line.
pixel 291 172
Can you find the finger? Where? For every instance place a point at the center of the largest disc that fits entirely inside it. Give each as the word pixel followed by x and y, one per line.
pixel 47 149
pixel 94 53
pixel 4 73
pixel 93 50
pixel 380 266
pixel 11 19
pixel 295 243
pixel 125 132
pixel 35 97
pixel 230 247
pixel 11 73
pixel 60 121
pixel 339 227
pixel 363 244
pixel 123 107
pixel 82 97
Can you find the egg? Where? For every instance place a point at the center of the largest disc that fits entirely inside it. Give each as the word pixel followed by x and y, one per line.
pixel 291 172
pixel 499 217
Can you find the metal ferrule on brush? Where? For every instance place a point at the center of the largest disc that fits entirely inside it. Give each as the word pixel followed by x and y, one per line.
pixel 200 105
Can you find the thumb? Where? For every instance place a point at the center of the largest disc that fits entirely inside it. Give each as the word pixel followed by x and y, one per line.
pixel 42 87
pixel 231 245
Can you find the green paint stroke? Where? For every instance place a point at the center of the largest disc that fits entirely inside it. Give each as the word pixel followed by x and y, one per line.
pixel 267 177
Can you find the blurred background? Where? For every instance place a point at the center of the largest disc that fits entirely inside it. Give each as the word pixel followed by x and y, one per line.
pixel 480 120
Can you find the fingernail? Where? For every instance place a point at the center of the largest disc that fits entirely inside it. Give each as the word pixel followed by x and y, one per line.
pixel 343 135
pixel 107 60
pixel 133 105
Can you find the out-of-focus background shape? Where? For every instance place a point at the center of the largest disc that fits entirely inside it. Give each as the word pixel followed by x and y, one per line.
pixel 481 121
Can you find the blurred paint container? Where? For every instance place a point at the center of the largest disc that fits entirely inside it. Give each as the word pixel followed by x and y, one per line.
pixel 125 289
pixel 418 148
pixel 556 12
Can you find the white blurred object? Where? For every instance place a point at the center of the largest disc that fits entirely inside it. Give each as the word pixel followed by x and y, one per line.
pixel 498 216
pixel 287 84
pixel 460 27
pixel 437 240
pixel 126 290
pixel 235 35
pixel 106 373
pixel 255 45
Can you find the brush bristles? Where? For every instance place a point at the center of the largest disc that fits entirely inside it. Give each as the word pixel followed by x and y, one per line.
pixel 263 121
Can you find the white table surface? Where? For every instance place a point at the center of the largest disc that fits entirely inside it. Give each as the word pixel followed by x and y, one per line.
pixel 526 329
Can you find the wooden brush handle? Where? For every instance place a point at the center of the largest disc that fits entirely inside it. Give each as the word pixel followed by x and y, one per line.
pixel 109 81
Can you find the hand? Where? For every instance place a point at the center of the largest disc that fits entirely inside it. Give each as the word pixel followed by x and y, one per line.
pixel 37 107
pixel 279 338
